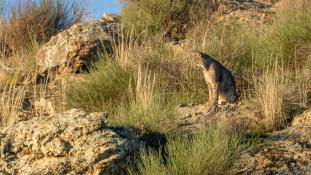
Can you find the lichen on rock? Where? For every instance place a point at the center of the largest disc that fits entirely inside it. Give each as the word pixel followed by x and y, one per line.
pixel 75 48
pixel 73 142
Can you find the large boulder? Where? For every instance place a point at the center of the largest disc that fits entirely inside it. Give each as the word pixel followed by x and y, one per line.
pixel 70 143
pixel 76 47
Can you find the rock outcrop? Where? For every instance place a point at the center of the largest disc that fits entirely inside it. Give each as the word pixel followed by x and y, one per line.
pixel 195 118
pixel 70 143
pixel 76 47
pixel 250 14
pixel 283 152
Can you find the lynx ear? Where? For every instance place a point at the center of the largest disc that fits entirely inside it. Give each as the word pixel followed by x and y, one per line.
pixel 196 53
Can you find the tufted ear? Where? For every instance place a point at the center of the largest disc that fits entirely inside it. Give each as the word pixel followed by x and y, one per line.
pixel 196 54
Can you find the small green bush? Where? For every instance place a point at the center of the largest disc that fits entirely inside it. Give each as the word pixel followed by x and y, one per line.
pixel 155 116
pixel 106 86
pixel 210 152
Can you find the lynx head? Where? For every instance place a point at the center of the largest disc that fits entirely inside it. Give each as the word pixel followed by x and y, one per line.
pixel 198 59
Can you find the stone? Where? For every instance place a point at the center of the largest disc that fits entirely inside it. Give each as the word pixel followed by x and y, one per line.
pixel 73 142
pixel 77 47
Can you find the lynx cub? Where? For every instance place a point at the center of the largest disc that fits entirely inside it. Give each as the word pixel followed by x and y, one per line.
pixel 220 81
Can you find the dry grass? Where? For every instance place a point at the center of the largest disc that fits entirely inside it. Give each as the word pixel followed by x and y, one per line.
pixel 30 21
pixel 280 91
pixel 303 85
pixel 11 103
pixel 269 93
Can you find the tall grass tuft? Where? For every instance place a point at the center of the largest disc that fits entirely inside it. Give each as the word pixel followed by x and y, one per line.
pixel 146 109
pixel 270 90
pixel 106 86
pixel 11 103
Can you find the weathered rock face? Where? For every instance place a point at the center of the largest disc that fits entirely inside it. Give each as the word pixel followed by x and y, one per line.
pixel 195 118
pixel 284 152
pixel 69 143
pixel 250 14
pixel 78 46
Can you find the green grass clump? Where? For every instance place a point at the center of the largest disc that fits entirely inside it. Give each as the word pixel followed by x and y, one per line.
pixel 106 86
pixel 147 108
pixel 289 36
pixel 210 152
pixel 153 116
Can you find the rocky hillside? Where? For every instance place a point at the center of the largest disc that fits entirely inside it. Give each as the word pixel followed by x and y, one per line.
pixel 95 66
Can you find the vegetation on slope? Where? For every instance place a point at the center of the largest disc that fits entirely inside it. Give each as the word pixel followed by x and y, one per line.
pixel 210 152
pixel 147 77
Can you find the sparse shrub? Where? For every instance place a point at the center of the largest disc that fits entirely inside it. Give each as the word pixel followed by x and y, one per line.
pixel 170 18
pixel 31 21
pixel 106 86
pixel 209 152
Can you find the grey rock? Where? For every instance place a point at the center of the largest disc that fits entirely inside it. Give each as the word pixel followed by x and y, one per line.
pixel 73 142
pixel 75 48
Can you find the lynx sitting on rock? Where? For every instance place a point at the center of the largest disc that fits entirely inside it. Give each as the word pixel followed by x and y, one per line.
pixel 221 83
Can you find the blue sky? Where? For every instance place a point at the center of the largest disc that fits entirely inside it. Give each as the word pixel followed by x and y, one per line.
pixel 96 8
pixel 99 7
